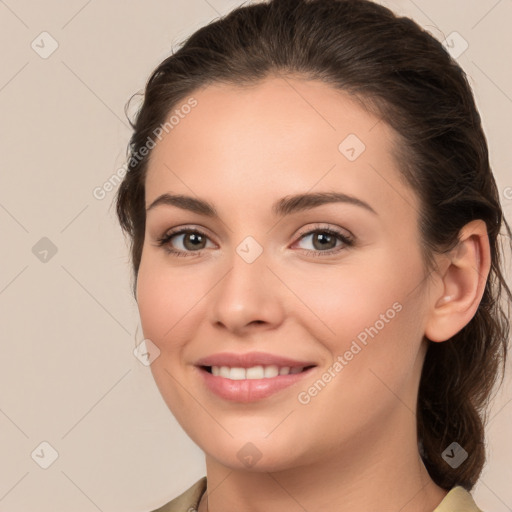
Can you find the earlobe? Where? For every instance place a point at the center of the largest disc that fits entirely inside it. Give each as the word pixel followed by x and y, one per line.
pixel 463 283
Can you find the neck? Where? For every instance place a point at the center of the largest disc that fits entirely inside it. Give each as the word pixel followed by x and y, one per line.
pixel 386 474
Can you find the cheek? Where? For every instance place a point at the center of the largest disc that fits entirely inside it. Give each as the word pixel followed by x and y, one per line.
pixel 169 302
pixel 169 307
pixel 372 353
pixel 369 314
pixel 338 303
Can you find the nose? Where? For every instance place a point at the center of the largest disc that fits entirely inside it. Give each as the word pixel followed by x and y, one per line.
pixel 249 297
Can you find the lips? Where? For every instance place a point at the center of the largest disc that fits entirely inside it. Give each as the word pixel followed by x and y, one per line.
pixel 250 359
pixel 251 376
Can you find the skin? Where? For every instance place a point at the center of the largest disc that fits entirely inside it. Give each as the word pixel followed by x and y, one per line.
pixel 354 445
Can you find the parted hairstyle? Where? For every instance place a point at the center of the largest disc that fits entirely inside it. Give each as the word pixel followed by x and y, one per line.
pixel 402 74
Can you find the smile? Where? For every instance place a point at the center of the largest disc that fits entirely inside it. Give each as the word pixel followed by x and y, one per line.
pixel 253 384
pixel 254 372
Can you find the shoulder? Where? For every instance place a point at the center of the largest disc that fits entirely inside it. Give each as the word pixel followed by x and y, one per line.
pixel 458 499
pixel 188 501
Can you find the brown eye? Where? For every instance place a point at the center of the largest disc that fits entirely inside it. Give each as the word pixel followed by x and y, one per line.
pixel 322 240
pixel 193 241
pixel 184 241
pixel 325 241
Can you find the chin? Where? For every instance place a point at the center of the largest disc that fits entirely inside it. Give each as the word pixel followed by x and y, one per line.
pixel 251 453
pixel 253 461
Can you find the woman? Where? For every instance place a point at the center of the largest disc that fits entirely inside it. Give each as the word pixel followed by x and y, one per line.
pixel 315 238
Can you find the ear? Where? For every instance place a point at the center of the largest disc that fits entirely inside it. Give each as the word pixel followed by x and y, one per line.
pixel 458 294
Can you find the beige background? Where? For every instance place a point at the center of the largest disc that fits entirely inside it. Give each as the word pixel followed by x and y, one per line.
pixel 68 376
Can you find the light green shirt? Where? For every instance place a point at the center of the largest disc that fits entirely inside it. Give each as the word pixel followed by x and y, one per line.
pixel 457 500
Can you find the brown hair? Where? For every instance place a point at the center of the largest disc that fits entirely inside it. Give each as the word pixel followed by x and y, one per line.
pixel 404 75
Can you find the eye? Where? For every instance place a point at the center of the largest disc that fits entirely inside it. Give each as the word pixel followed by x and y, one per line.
pixel 325 241
pixel 189 241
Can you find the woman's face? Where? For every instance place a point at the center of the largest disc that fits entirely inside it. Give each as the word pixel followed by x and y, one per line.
pixel 332 292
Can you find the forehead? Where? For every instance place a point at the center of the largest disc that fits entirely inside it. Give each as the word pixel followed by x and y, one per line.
pixel 278 137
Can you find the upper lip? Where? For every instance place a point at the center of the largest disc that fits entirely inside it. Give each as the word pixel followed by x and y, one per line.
pixel 249 359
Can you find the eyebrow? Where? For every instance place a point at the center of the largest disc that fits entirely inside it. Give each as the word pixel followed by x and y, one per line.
pixel 284 206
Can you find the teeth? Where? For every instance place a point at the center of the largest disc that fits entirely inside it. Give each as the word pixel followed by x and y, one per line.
pixel 271 371
pixel 236 373
pixel 224 371
pixel 254 372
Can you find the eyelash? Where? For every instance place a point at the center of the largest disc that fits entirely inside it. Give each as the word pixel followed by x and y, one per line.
pixel 347 241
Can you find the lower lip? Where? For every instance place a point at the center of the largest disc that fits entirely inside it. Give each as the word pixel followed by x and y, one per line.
pixel 249 390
